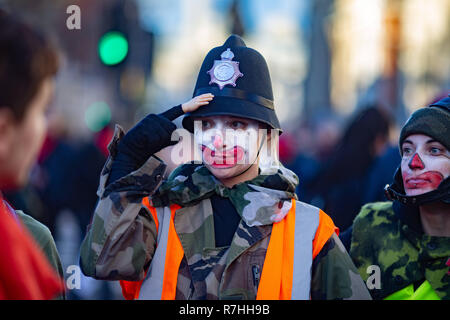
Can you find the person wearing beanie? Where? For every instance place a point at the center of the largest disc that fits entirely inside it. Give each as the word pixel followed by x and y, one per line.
pixel 226 225
pixel 402 247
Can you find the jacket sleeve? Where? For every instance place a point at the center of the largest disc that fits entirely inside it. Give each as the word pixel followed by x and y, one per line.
pixel 121 238
pixel 334 276
pixel 43 237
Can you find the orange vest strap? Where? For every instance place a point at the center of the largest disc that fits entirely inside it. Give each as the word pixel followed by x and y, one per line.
pixel 174 255
pixel 131 289
pixel 279 263
pixel 324 232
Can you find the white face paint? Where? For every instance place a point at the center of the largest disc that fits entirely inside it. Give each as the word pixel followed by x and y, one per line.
pixel 229 146
pixel 425 164
pixel 226 141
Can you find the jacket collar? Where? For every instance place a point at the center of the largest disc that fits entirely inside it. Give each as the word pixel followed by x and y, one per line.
pixel 408 215
pixel 260 201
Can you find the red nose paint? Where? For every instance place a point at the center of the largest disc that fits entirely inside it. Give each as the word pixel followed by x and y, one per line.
pixel 217 141
pixel 416 162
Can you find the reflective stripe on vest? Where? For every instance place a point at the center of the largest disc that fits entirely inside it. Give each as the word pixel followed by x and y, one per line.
pixel 286 274
pixel 153 284
pixel 161 279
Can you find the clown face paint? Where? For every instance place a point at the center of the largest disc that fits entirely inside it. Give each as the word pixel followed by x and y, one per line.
pixel 226 141
pixel 425 164
pixel 228 145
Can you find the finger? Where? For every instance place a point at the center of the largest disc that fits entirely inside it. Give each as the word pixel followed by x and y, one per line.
pixel 205 99
pixel 202 100
pixel 206 95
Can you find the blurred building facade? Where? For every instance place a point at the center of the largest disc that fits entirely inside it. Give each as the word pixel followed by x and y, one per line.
pixel 325 56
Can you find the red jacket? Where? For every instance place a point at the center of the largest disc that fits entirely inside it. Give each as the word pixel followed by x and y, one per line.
pixel 25 273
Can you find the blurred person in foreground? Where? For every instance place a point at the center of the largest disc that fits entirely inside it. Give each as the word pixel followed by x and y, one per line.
pixel 226 227
pixel 339 185
pixel 29 261
pixel 408 239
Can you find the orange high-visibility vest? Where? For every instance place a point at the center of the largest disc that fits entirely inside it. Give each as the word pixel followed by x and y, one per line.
pixel 285 274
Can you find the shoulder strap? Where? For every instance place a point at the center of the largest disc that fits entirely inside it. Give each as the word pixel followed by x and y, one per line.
pixel 131 289
pixel 286 267
pixel 277 272
pixel 324 232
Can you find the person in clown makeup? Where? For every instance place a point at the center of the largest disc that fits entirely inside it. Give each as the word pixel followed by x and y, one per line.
pixel 408 240
pixel 227 225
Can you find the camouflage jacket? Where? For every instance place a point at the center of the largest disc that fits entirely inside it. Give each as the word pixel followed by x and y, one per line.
pixel 386 244
pixel 121 242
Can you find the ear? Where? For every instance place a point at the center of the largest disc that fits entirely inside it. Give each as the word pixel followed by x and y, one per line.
pixel 7 128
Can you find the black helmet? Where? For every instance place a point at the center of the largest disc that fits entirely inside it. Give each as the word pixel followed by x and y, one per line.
pixel 239 79
pixel 433 121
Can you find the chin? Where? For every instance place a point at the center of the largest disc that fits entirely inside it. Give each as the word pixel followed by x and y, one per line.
pixel 226 173
pixel 417 192
pixel 221 173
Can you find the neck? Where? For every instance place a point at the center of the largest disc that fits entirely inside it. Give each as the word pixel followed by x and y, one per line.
pixel 251 173
pixel 435 218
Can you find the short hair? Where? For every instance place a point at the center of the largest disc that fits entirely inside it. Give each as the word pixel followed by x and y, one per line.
pixel 27 58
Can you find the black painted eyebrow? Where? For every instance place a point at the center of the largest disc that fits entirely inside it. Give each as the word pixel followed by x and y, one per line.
pixel 432 141
pixel 407 141
pixel 427 142
pixel 207 120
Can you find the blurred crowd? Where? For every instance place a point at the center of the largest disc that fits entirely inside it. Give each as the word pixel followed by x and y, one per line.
pixel 346 165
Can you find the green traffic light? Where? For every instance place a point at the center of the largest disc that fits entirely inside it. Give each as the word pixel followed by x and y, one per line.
pixel 112 48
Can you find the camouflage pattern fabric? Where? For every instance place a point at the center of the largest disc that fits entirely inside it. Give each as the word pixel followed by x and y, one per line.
pixel 121 239
pixel 254 200
pixel 207 272
pixel 403 255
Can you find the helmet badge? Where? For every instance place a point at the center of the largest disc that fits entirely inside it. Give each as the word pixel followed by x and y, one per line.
pixel 225 71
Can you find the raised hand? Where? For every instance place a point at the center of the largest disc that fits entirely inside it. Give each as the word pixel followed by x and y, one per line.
pixel 197 102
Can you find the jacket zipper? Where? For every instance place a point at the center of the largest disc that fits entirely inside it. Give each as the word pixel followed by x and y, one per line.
pixel 256 277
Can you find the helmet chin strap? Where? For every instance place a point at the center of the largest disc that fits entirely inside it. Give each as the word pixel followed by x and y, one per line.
pixel 256 158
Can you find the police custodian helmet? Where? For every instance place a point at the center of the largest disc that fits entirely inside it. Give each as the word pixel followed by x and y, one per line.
pixel 239 79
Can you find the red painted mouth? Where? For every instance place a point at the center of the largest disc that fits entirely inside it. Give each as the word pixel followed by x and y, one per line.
pixel 430 179
pixel 223 158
